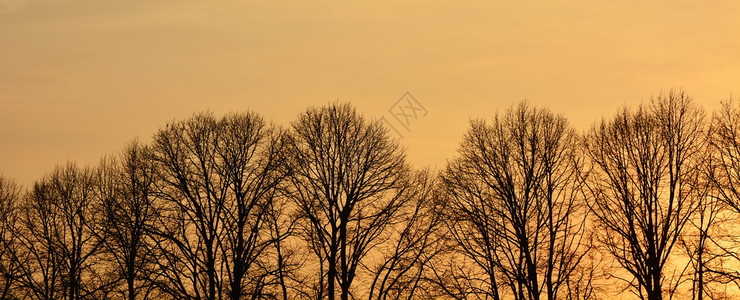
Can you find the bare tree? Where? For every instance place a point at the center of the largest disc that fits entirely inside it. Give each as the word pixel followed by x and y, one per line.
pixel 586 281
pixel 128 213
pixel 250 152
pixel 10 194
pixel 725 142
pixel 348 180
pixel 218 181
pixel 403 271
pixel 644 186
pixel 717 240
pixel 707 242
pixel 286 254
pixel 514 206
pixel 42 266
pixel 60 236
pixel 189 228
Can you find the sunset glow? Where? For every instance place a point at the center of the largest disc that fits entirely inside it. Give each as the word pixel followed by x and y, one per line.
pixel 80 78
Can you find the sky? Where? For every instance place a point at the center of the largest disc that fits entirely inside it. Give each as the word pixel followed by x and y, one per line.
pixel 80 79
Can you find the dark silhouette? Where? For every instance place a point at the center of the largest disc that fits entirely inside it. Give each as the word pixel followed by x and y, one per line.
pixel 60 237
pixel 416 242
pixel 514 205
pixel 645 186
pixel 350 182
pixel 234 207
pixel 126 190
pixel 10 265
pixel 217 181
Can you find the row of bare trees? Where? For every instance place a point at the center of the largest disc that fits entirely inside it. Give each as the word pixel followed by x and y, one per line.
pixel 234 207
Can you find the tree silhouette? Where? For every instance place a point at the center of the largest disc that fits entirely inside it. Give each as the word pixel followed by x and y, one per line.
pixel 10 196
pixel 235 207
pixel 415 243
pixel 251 155
pixel 719 245
pixel 644 185
pixel 218 180
pixel 349 181
pixel 60 237
pixel 725 143
pixel 128 214
pixel 514 207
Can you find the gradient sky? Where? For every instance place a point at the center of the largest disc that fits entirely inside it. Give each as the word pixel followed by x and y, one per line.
pixel 79 79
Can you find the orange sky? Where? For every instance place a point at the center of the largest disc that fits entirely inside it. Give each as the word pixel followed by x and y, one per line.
pixel 79 79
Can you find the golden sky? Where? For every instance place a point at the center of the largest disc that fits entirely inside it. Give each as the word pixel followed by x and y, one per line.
pixel 79 79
